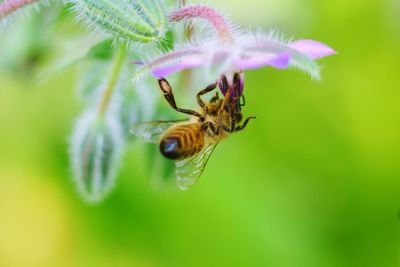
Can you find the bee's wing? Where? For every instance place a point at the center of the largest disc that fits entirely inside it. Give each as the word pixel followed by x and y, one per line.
pixel 189 170
pixel 152 131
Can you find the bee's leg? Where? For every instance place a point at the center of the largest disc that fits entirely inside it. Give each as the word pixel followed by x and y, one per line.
pixel 215 129
pixel 241 127
pixel 232 108
pixel 229 130
pixel 169 96
pixel 203 92
pixel 212 127
pixel 215 98
pixel 221 110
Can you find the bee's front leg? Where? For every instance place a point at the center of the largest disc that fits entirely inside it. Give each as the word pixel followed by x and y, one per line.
pixel 215 98
pixel 203 92
pixel 241 127
pixel 221 111
pixel 232 115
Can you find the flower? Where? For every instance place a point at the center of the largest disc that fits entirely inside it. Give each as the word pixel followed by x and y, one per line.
pixel 233 51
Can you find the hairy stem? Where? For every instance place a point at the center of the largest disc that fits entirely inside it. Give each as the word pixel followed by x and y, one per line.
pixel 218 22
pixel 186 77
pixel 9 6
pixel 112 82
pixel 189 28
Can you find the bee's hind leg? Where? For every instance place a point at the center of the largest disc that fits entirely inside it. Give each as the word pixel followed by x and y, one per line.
pixel 241 127
pixel 169 96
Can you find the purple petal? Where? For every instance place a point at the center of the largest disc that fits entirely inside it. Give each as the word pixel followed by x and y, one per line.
pixel 186 63
pixel 221 87
pixel 229 79
pixel 280 61
pixel 313 49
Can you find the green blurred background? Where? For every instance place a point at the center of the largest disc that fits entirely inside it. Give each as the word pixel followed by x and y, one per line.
pixel 313 182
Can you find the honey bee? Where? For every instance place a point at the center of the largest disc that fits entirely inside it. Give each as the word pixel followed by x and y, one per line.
pixel 191 142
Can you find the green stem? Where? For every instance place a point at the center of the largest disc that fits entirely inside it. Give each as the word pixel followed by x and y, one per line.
pixel 112 82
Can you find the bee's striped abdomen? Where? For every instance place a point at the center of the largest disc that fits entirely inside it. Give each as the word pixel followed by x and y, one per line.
pixel 182 141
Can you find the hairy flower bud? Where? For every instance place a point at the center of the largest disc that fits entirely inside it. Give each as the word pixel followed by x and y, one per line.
pixel 134 20
pixel 96 148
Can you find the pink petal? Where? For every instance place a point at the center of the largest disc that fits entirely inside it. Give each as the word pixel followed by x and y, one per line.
pixel 186 63
pixel 313 49
pixel 280 61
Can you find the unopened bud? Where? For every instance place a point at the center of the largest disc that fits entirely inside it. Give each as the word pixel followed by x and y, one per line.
pixel 135 20
pixel 96 149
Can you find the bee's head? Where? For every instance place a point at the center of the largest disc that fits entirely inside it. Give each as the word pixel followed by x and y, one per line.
pixel 238 117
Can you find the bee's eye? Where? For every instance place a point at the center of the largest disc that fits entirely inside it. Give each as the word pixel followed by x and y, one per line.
pixel 238 117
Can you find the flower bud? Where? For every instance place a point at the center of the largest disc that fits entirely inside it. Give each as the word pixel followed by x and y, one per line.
pixel 135 20
pixel 96 149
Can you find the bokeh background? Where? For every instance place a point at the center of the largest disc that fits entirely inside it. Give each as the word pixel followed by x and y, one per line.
pixel 313 182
